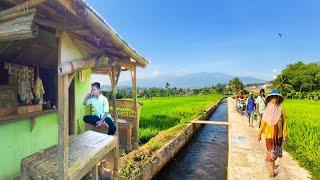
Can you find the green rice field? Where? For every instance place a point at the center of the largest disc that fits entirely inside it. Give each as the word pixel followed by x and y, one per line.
pixel 162 113
pixel 304 133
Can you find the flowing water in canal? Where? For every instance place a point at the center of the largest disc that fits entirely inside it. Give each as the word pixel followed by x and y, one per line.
pixel 205 156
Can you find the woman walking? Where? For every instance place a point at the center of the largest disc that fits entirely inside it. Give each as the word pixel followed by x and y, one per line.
pixel 260 106
pixel 274 126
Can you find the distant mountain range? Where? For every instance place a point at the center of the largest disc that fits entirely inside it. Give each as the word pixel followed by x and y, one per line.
pixel 195 80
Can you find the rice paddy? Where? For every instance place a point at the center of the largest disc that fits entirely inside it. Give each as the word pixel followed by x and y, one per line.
pixel 162 113
pixel 304 133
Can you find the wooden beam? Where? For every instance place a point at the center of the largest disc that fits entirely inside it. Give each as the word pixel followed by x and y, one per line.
pixel 19 28
pixel 78 65
pixel 127 64
pixel 68 4
pixel 211 122
pixel 84 43
pixel 41 6
pixel 21 7
pixel 17 14
pixel 54 25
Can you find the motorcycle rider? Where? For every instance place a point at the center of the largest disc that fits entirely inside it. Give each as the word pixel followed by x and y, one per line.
pixel 240 101
pixel 240 95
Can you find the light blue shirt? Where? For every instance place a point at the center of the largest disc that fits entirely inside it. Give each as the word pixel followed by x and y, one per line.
pixel 100 105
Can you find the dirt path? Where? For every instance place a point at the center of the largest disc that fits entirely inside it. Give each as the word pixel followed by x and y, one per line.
pixel 246 156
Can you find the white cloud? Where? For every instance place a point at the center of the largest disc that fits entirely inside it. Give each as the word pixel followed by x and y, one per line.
pixel 154 73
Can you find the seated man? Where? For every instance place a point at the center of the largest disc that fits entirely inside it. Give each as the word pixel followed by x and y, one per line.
pixel 100 107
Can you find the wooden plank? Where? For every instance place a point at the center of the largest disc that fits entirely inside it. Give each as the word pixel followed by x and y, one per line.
pixel 25 116
pixel 211 122
pixel 85 151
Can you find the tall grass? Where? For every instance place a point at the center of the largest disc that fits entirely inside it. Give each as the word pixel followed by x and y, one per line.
pixel 165 112
pixel 304 133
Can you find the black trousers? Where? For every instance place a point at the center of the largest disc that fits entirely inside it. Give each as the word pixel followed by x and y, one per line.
pixel 93 119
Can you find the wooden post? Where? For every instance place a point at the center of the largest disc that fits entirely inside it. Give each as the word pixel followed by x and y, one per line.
pixel 63 137
pixel 114 77
pixel 135 107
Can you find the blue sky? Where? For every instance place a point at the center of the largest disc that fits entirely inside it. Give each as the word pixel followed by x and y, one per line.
pixel 236 37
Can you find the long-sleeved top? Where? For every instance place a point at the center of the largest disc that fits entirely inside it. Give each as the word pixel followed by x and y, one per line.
pixel 100 105
pixel 268 129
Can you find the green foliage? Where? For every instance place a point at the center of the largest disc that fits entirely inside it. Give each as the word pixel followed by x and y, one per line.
pixel 162 113
pixel 126 92
pixel 235 85
pixel 299 77
pixel 304 133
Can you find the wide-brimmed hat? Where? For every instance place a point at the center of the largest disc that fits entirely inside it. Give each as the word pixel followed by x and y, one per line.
pixel 274 93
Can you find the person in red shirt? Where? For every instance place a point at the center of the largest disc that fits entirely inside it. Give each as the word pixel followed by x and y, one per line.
pixel 240 95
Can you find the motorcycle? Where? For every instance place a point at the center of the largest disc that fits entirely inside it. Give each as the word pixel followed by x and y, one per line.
pixel 241 106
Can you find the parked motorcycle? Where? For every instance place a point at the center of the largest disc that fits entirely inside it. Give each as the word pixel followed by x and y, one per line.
pixel 240 105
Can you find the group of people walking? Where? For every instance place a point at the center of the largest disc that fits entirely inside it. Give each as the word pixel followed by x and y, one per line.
pixel 271 121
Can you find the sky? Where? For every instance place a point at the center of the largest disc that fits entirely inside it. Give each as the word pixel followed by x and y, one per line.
pixel 238 37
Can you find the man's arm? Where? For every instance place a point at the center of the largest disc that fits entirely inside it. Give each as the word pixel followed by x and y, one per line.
pixel 105 115
pixel 85 101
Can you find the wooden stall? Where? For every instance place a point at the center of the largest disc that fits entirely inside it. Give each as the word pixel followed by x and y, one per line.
pixel 56 41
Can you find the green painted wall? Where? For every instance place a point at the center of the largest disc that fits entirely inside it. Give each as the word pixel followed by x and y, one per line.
pixel 17 141
pixel 81 90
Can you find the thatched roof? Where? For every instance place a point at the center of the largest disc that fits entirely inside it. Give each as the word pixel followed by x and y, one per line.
pixel 82 23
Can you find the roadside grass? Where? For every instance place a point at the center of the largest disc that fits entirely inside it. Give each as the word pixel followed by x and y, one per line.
pixel 304 133
pixel 162 119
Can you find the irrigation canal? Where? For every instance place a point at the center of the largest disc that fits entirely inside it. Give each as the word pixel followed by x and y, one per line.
pixel 206 154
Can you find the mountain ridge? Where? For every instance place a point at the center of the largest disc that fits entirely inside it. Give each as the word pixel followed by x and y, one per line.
pixel 193 80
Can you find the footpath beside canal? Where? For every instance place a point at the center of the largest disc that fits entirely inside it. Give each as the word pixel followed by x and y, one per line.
pixel 246 154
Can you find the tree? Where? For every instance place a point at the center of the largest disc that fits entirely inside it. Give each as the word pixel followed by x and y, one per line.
pixel 220 88
pixel 235 84
pixel 299 77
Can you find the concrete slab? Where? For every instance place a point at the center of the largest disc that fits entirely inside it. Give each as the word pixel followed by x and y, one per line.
pixel 246 154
